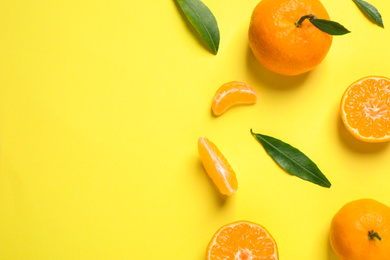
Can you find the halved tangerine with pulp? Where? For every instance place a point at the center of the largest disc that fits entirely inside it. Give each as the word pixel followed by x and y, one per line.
pixel 365 109
pixel 242 240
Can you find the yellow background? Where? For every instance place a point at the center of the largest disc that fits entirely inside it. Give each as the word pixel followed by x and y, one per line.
pixel 101 107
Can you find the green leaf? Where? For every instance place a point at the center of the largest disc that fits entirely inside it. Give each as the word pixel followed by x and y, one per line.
pixel 292 160
pixel 203 20
pixel 330 27
pixel 371 11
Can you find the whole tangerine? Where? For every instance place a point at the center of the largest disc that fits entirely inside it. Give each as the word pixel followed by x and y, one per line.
pixel 360 230
pixel 282 46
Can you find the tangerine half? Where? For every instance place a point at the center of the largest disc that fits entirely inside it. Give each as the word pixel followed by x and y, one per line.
pixel 242 240
pixel 365 109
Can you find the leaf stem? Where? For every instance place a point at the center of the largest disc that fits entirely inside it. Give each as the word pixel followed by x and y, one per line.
pixel 303 18
pixel 372 235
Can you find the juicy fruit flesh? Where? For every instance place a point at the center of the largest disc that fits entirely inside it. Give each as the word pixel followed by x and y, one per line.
pixel 217 167
pixel 232 93
pixel 242 241
pixel 365 108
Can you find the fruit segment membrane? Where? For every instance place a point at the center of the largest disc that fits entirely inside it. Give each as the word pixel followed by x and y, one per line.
pixel 217 167
pixel 232 93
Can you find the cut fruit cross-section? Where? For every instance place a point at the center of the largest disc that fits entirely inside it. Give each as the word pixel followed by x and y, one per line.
pixel 242 240
pixel 365 109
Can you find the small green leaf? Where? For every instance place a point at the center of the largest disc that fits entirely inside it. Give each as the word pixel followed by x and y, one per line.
pixel 371 11
pixel 330 27
pixel 203 20
pixel 292 160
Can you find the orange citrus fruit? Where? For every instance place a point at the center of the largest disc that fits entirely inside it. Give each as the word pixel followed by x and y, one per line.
pixel 217 167
pixel 360 230
pixel 232 93
pixel 365 109
pixel 242 240
pixel 282 47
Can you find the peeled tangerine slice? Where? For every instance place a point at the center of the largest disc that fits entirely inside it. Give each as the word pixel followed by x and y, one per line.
pixel 230 94
pixel 365 109
pixel 217 167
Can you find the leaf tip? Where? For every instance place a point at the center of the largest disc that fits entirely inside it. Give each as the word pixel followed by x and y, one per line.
pixel 327 184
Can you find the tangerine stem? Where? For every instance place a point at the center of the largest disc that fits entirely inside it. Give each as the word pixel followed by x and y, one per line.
pixel 303 18
pixel 372 235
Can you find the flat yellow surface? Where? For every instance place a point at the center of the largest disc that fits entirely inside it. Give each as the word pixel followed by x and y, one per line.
pixel 101 107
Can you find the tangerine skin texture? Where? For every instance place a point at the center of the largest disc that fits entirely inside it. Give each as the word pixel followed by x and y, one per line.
pixel 350 226
pixel 282 47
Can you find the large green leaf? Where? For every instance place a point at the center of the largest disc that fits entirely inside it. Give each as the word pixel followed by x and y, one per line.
pixel 203 20
pixel 292 160
pixel 371 11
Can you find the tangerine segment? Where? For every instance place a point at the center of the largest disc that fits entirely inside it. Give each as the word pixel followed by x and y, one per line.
pixel 232 93
pixel 217 167
pixel 365 109
pixel 242 240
